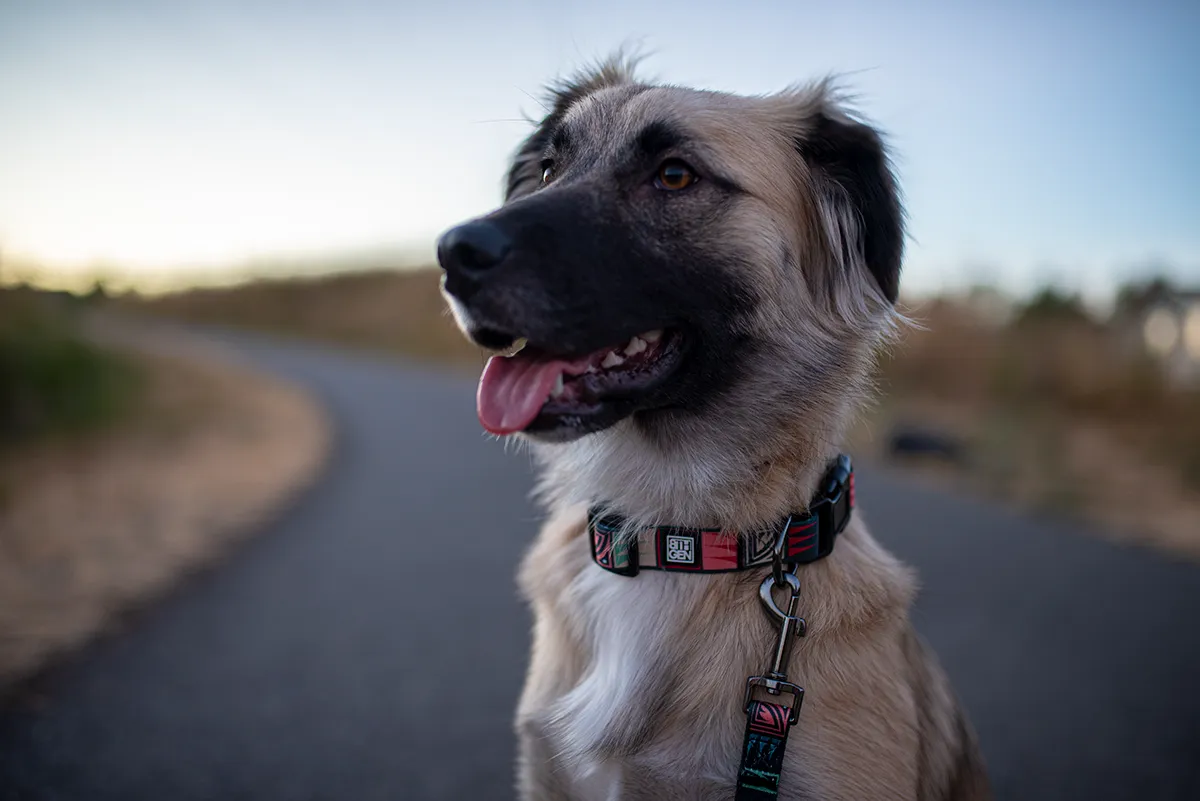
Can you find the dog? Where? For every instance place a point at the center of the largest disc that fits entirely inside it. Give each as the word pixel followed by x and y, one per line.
pixel 687 291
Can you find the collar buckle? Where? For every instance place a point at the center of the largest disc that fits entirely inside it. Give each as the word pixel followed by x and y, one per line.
pixel 830 512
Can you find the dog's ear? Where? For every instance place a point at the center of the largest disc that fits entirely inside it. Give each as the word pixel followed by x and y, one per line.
pixel 851 166
pixel 525 171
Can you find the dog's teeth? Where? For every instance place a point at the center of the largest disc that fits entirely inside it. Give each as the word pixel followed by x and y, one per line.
pixel 652 336
pixel 517 346
pixel 635 346
pixel 591 368
pixel 611 359
pixel 558 387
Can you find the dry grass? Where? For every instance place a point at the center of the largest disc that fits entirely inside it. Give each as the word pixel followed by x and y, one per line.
pixel 94 525
pixel 399 311
pixel 1059 415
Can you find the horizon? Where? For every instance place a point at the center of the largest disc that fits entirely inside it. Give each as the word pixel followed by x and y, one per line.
pixel 993 299
pixel 169 142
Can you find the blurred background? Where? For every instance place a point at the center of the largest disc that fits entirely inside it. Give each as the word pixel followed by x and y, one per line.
pixel 219 317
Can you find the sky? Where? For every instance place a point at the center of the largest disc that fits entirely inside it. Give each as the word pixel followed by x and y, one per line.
pixel 1035 142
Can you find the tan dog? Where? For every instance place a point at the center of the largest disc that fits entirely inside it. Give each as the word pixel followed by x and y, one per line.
pixel 703 280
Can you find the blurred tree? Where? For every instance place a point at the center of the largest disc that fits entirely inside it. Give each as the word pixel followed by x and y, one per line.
pixel 1135 298
pixel 1052 305
pixel 98 291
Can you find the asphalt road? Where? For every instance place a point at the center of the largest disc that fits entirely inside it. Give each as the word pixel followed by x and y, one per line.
pixel 370 645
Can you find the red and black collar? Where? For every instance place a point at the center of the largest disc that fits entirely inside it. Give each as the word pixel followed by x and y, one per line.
pixel 800 538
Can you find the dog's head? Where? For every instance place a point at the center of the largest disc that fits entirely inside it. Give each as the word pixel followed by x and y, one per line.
pixel 696 276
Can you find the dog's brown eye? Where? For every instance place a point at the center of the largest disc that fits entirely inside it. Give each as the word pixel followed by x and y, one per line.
pixel 547 173
pixel 674 175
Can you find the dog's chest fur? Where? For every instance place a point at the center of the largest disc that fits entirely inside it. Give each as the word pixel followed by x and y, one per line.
pixel 635 689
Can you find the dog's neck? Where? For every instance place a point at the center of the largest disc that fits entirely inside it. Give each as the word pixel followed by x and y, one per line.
pixel 700 481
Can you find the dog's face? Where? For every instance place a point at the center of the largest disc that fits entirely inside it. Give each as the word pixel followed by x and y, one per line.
pixel 675 258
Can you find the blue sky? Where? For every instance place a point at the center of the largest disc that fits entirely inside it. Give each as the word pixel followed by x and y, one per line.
pixel 1035 141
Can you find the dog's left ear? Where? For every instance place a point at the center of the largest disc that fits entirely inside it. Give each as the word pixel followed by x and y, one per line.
pixel 851 166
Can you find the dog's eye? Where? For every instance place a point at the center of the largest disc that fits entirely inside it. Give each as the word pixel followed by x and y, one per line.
pixel 547 172
pixel 674 175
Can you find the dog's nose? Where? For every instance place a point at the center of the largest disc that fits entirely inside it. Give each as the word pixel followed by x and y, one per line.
pixel 473 247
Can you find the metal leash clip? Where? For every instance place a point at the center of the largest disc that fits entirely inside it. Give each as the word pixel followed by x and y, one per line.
pixel 790 627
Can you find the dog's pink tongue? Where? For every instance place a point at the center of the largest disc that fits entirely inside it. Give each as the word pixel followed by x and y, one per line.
pixel 513 389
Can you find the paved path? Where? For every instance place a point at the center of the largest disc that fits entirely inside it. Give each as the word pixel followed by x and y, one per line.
pixel 371 646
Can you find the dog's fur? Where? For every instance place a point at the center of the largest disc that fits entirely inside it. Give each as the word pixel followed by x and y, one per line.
pixel 781 265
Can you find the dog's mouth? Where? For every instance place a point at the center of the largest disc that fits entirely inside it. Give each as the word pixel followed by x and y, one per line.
pixel 557 397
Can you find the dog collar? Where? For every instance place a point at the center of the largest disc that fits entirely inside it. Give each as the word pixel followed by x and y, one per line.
pixel 799 538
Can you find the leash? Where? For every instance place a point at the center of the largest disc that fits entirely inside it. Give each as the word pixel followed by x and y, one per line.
pixel 801 539
pixel 768 722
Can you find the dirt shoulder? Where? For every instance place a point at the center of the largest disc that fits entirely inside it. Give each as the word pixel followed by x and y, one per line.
pixel 93 526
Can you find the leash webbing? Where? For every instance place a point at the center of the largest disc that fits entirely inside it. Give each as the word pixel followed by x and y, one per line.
pixel 762 751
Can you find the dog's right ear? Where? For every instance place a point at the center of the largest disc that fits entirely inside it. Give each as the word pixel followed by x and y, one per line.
pixel 525 171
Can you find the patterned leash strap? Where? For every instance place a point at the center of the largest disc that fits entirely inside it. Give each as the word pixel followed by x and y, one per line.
pixel 768 721
pixel 762 751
